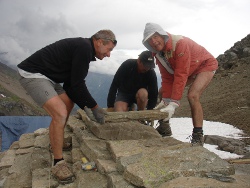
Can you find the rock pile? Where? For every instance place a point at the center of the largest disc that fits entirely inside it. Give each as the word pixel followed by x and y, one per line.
pixel 134 156
pixel 238 54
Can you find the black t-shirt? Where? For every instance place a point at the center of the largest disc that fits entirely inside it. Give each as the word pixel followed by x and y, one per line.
pixel 127 80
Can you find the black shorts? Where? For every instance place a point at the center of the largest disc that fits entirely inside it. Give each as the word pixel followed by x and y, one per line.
pixel 124 97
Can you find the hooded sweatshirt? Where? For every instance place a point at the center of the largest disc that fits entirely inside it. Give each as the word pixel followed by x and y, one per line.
pixel 184 56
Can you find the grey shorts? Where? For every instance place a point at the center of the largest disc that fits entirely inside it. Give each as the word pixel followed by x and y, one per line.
pixel 41 90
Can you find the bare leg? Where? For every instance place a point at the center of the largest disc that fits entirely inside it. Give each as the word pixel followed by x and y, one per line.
pixel 59 108
pixel 196 89
pixel 142 99
pixel 121 106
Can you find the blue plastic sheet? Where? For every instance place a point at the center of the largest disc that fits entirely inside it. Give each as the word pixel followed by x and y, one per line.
pixel 12 127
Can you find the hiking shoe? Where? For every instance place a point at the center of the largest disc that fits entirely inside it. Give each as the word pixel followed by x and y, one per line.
pixel 197 139
pixel 143 122
pixel 62 172
pixel 164 128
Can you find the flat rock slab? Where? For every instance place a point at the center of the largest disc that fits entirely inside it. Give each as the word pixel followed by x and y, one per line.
pixel 91 179
pixel 149 163
pixel 8 159
pixel 42 178
pixel 129 130
pixel 26 140
pixel 227 144
pixel 163 165
pixel 194 182
pixel 126 148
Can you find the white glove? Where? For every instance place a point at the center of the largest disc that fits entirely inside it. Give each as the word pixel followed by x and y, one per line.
pixel 170 108
pixel 164 102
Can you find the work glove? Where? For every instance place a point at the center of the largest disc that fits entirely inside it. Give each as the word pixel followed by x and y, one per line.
pixel 164 102
pixel 99 114
pixel 166 106
pixel 89 113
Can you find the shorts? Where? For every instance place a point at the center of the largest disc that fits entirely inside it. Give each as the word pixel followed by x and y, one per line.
pixel 210 65
pixel 124 97
pixel 40 89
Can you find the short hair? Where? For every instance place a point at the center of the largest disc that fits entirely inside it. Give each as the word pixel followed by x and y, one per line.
pixel 106 35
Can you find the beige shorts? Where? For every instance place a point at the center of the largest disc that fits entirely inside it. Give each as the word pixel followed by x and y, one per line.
pixel 40 89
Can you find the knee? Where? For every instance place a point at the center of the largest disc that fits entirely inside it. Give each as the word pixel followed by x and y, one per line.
pixel 142 94
pixel 60 116
pixel 193 97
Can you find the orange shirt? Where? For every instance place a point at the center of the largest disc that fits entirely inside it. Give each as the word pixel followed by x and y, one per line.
pixel 187 59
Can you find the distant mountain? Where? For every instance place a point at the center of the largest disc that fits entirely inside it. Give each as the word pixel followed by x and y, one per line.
pixel 98 85
pixel 13 98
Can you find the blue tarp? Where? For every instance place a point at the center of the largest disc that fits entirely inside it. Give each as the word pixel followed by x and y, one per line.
pixel 12 127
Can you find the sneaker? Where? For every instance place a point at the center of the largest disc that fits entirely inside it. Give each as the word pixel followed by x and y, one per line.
pixel 62 172
pixel 164 128
pixel 197 139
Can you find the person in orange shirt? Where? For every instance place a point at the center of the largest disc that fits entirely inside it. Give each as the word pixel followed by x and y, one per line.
pixel 181 62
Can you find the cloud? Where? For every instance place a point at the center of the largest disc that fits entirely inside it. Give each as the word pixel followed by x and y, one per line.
pixel 26 30
pixel 29 25
pixel 111 64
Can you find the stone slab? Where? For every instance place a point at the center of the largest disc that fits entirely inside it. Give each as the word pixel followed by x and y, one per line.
pixel 20 172
pixel 95 149
pixel 91 179
pixel 126 148
pixel 40 158
pixel 131 130
pixel 73 122
pixel 41 178
pixel 42 141
pixel 105 166
pixel 163 165
pixel 27 140
pixel 115 180
pixel 8 159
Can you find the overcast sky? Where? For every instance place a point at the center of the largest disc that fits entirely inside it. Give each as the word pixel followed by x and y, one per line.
pixel 28 25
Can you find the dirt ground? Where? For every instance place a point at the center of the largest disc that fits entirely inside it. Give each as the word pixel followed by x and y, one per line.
pixel 226 100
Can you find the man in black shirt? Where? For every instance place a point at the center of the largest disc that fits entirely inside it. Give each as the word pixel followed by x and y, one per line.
pixel 65 61
pixel 134 82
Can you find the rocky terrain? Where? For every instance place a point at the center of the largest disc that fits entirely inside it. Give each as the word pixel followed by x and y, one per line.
pixel 135 163
pixel 123 154
pixel 13 99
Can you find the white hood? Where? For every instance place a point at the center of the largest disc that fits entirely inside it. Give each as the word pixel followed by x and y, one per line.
pixel 150 29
